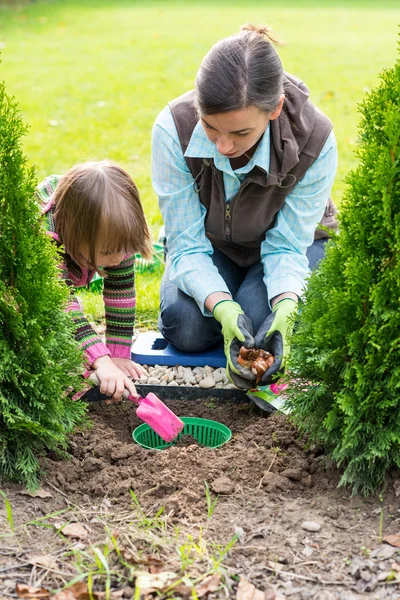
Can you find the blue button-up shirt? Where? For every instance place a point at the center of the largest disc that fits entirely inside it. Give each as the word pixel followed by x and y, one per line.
pixel 283 251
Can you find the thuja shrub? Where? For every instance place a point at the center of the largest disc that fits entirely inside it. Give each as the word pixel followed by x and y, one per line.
pixel 346 347
pixel 39 358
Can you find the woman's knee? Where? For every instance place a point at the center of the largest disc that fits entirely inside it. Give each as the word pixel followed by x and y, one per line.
pixel 187 328
pixel 316 252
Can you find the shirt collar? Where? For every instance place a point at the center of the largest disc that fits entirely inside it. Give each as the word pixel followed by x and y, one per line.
pixel 201 147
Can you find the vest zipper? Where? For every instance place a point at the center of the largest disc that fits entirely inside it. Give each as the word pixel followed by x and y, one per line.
pixel 228 211
pixel 228 220
pixel 229 204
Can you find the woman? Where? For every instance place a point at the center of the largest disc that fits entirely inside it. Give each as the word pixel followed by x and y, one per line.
pixel 243 167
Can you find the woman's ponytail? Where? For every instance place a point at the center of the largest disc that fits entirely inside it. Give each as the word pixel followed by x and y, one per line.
pixel 264 30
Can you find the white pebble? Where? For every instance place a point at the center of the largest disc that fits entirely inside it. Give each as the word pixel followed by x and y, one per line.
pixel 311 526
pixel 153 381
pixel 142 379
pixel 173 383
pixel 217 375
pixel 208 370
pixel 206 383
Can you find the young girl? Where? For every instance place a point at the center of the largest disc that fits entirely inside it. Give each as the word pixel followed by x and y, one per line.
pixel 94 212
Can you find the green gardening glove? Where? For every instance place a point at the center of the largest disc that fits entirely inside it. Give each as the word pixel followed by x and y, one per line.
pixel 273 336
pixel 237 331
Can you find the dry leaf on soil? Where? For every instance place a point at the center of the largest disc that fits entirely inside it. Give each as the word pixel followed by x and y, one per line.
pixel 78 591
pixel 248 591
pixel 42 560
pixel 102 595
pixel 147 582
pixel 36 494
pixel 75 530
pixel 208 585
pixel 395 567
pixel 393 540
pixel 28 591
pixel 149 559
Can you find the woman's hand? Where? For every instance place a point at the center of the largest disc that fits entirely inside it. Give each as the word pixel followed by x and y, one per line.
pixel 129 367
pixel 237 331
pixel 274 335
pixel 113 380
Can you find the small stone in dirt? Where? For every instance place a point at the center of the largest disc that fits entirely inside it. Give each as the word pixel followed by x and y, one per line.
pixel 123 451
pixel 307 551
pixel 306 481
pixel 273 481
pixel 383 552
pixel 311 526
pixel 206 383
pixel 240 534
pixel 333 512
pixel 92 464
pixel 122 487
pixel 223 485
pixel 293 474
pixel 128 592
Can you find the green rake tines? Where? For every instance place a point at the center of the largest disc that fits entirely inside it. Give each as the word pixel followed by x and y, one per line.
pixel 207 433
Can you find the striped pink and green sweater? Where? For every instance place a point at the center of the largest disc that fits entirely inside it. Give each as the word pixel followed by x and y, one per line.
pixel 118 291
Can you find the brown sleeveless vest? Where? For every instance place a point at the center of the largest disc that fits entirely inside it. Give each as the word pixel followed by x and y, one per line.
pixel 238 227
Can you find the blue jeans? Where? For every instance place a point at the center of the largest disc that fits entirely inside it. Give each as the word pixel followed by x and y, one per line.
pixel 181 321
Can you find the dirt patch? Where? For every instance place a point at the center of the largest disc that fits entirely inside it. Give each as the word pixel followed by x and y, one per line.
pixel 264 455
pixel 186 440
pixel 296 530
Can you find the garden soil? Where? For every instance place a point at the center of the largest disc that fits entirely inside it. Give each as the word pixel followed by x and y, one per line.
pixel 297 534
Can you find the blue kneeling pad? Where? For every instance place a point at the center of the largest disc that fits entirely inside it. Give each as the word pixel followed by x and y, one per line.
pixel 151 348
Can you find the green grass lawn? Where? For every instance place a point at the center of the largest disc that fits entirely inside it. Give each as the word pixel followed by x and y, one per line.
pixel 91 76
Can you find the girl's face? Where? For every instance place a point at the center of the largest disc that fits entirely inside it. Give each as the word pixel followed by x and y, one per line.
pixel 103 259
pixel 235 132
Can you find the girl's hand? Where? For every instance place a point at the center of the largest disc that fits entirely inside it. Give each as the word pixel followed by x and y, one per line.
pixel 113 380
pixel 129 367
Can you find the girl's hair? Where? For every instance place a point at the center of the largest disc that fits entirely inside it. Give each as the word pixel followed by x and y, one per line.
pixel 240 71
pixel 98 205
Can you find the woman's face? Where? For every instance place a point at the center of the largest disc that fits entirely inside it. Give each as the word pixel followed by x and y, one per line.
pixel 235 132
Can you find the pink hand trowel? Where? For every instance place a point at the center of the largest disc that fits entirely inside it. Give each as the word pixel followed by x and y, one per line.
pixel 153 412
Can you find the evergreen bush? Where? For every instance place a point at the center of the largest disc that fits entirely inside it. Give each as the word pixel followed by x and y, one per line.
pixel 39 358
pixel 346 348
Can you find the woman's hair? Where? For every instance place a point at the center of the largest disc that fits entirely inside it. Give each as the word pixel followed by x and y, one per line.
pixel 240 71
pixel 98 205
